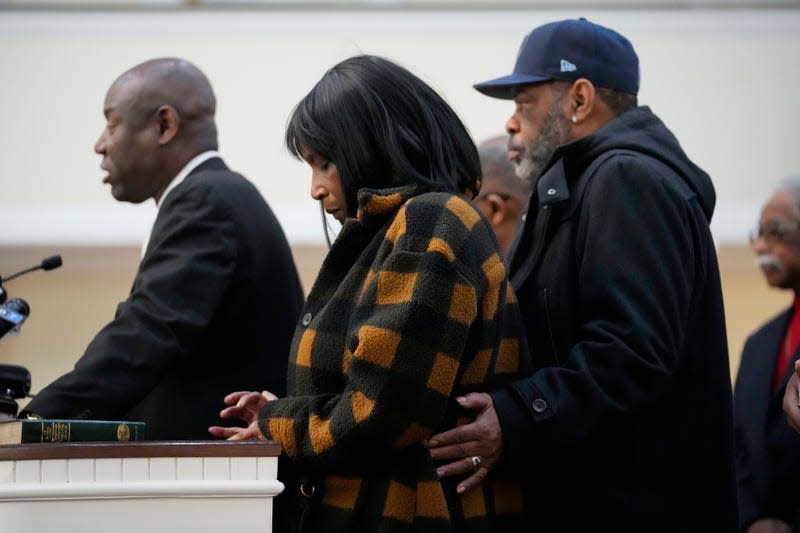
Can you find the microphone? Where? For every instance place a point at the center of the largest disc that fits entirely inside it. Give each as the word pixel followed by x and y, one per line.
pixel 15 381
pixel 14 311
pixel 48 263
pixel 12 314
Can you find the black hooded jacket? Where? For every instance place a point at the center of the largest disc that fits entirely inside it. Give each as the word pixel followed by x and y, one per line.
pixel 626 424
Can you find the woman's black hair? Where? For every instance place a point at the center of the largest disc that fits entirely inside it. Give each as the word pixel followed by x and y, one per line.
pixel 383 127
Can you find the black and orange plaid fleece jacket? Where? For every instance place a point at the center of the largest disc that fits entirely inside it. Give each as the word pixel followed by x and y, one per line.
pixel 410 309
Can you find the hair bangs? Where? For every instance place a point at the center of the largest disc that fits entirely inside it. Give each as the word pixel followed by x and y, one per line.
pixel 306 132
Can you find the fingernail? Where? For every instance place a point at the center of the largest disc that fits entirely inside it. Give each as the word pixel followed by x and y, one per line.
pixel 439 472
pixel 460 490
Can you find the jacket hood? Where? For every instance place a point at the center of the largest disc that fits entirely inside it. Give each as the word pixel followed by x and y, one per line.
pixel 642 131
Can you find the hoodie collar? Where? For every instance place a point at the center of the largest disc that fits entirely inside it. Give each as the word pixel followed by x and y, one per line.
pixel 637 130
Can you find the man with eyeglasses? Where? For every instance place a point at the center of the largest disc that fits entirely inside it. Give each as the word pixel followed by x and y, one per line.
pixel 767 448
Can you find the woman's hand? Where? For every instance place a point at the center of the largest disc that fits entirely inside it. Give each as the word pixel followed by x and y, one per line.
pixel 243 405
pixel 251 432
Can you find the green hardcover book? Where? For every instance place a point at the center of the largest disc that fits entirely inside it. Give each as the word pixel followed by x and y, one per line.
pixel 44 430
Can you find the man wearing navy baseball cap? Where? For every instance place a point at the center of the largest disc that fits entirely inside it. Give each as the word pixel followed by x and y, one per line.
pixel 626 425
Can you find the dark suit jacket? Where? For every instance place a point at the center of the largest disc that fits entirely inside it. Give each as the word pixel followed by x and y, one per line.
pixel 212 310
pixel 767 449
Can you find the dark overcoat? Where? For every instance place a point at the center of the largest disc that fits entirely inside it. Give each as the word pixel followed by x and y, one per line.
pixel 626 424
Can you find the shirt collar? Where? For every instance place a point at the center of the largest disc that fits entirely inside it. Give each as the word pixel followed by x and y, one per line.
pixel 186 170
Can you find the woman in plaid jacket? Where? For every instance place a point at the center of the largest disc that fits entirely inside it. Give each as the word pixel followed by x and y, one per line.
pixel 411 309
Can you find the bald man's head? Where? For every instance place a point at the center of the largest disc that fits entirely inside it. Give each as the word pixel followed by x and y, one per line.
pixel 174 82
pixel 160 115
pixel 503 196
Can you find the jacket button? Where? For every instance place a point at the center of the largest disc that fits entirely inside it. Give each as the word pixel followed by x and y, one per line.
pixel 306 319
pixel 539 405
pixel 551 192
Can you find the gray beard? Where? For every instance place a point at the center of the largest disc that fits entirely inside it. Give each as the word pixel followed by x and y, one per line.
pixel 553 134
pixel 527 169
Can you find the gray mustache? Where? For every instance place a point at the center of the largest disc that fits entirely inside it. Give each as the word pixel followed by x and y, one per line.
pixel 767 260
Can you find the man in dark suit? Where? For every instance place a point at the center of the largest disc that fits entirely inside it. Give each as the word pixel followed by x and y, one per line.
pixel 625 425
pixel 214 303
pixel 767 448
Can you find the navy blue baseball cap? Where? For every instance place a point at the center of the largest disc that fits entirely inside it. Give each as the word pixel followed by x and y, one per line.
pixel 568 50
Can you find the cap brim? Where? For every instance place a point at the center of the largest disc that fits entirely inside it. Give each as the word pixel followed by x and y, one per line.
pixel 501 87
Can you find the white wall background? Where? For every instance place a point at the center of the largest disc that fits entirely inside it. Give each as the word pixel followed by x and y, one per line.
pixel 725 81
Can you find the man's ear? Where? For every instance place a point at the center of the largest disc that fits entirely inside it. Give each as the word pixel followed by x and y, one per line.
pixel 581 100
pixel 497 208
pixel 168 123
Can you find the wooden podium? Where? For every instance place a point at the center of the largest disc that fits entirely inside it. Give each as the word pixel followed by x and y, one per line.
pixel 136 487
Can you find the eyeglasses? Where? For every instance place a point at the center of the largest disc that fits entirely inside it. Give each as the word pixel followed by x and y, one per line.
pixel 773 231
